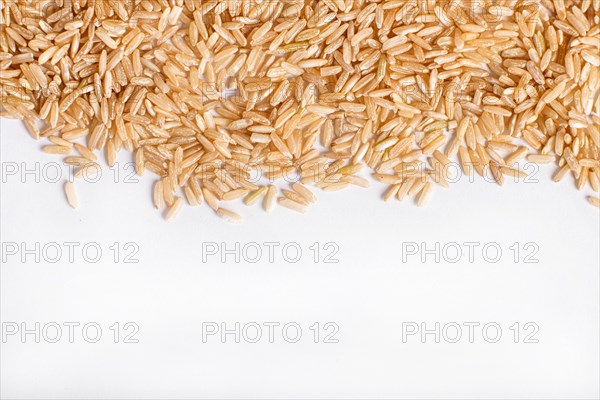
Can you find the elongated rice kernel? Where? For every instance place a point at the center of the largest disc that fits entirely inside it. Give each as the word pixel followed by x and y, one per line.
pixel 139 161
pixel 71 195
pixel 541 158
pixel 304 192
pixel 229 216
pixel 357 181
pixel 88 171
pixel 57 150
pixel 85 152
pixel 211 199
pixel 295 196
pixel 561 173
pixel 190 196
pixel 404 188
pixel 595 201
pixel 292 205
pixel 391 192
pixel 424 194
pixel 270 198
pixel 516 156
pixel 174 210
pixel 334 187
pixel 235 194
pixel 111 153
pixel 157 196
pixel 255 196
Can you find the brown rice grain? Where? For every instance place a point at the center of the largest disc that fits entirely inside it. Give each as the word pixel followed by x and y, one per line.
pixel 174 209
pixel 229 216
pixel 270 198
pixel 71 195
pixel 292 205
pixel 595 201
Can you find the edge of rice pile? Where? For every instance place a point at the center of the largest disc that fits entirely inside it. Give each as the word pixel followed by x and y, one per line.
pixel 206 94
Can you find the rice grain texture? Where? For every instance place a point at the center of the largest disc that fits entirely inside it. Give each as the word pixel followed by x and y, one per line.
pixel 208 96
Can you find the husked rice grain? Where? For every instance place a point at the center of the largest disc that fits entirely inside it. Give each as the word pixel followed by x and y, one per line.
pixel 174 209
pixel 255 196
pixel 211 199
pixel 424 194
pixel 270 198
pixel 71 195
pixel 235 194
pixel 158 197
pixel 294 196
pixel 229 216
pixel 292 205
pixel 304 192
pixel 541 158
pixel 595 201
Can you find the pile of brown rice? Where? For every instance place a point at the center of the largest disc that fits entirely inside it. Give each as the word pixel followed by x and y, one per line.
pixel 206 94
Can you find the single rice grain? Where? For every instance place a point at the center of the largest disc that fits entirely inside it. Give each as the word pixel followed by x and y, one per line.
pixel 71 195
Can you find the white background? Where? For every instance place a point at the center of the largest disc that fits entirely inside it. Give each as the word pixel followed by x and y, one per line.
pixel 370 294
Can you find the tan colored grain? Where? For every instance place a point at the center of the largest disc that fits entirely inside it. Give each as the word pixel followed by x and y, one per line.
pixel 174 209
pixel 270 198
pixel 292 205
pixel 255 196
pixel 158 197
pixel 424 194
pixel 229 216
pixel 541 158
pixel 71 194
pixel 595 201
